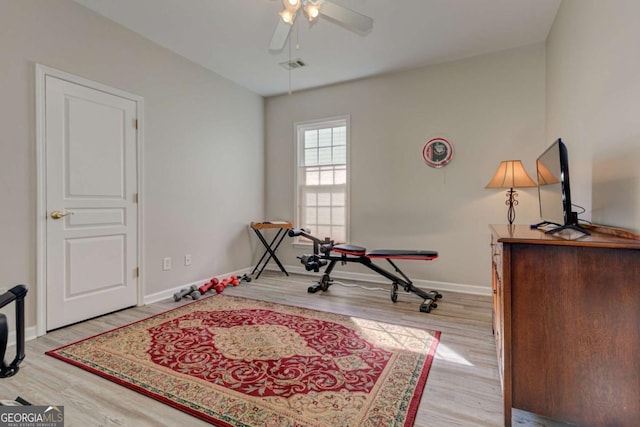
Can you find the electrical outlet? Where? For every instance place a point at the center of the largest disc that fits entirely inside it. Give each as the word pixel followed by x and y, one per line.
pixel 187 260
pixel 166 263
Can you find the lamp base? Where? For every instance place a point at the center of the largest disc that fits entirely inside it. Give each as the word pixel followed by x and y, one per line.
pixel 511 202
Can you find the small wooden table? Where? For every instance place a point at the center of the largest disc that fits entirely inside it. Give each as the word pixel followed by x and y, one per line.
pixel 271 248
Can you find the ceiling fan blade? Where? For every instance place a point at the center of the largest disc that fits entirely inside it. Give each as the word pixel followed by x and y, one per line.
pixel 347 18
pixel 280 35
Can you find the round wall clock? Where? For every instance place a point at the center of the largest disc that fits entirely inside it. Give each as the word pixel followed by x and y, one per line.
pixel 437 152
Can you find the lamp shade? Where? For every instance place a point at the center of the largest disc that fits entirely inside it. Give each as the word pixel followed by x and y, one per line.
pixel 511 174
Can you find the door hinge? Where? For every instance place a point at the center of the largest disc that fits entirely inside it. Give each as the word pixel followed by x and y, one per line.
pixel 135 197
pixel 135 123
pixel 137 271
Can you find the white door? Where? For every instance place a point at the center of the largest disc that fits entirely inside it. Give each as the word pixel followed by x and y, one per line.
pixel 91 195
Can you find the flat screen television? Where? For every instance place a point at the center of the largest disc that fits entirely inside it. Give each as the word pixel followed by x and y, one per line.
pixel 554 190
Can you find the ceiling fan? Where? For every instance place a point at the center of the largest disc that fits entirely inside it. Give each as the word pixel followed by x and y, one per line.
pixel 312 10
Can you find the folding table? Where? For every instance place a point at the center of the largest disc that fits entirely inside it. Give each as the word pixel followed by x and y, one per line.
pixel 271 248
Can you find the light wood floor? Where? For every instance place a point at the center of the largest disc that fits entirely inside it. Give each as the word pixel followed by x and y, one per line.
pixel 463 388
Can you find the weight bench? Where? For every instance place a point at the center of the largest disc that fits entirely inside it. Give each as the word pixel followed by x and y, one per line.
pixel 322 255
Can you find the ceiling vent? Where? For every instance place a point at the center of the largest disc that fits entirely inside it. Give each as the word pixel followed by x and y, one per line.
pixel 292 65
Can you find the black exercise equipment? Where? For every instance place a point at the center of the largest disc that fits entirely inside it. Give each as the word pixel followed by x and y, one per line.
pixel 322 255
pixel 17 294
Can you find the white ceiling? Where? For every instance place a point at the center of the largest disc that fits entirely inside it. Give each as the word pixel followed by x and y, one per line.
pixel 231 37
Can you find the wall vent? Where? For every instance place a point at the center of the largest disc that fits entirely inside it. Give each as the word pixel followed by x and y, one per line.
pixel 293 64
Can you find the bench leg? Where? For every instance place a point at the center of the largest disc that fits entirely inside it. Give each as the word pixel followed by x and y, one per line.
pixel 429 297
pixel 325 281
pixel 430 302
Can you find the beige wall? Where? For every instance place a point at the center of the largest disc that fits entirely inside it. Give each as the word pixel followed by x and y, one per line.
pixel 203 148
pixel 593 103
pixel 490 107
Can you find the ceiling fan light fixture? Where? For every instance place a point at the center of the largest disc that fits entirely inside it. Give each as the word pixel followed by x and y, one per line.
pixel 291 5
pixel 315 10
pixel 311 10
pixel 287 16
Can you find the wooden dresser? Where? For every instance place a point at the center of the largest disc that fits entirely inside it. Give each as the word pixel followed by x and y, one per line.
pixel 567 325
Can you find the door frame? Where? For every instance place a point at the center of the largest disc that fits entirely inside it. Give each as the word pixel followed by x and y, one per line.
pixel 41 72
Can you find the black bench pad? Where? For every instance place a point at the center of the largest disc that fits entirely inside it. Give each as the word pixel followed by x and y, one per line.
pixel 386 253
pixel 402 254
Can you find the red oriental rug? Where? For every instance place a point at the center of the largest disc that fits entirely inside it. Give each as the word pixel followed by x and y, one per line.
pixel 240 362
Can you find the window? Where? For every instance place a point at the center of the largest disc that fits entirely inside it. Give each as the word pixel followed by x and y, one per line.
pixel 321 187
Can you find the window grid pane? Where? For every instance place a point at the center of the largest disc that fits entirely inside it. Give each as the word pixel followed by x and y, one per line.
pixel 339 155
pixel 326 176
pixel 311 215
pixel 311 177
pixel 324 199
pixel 324 137
pixel 311 138
pixel 338 199
pixel 339 234
pixel 324 156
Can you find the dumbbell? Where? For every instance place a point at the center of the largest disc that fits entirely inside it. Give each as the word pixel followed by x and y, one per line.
pixel 221 285
pixel 208 286
pixel 231 280
pixel 192 291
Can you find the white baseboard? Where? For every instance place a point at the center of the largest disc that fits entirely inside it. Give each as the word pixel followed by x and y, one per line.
pixel 363 277
pixel 29 334
pixel 168 294
pixel 371 278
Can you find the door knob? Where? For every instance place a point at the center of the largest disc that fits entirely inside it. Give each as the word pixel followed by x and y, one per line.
pixel 58 214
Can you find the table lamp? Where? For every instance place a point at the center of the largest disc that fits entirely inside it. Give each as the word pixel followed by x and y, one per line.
pixel 511 174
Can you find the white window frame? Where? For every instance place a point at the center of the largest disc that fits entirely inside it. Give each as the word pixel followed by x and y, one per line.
pixel 299 130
